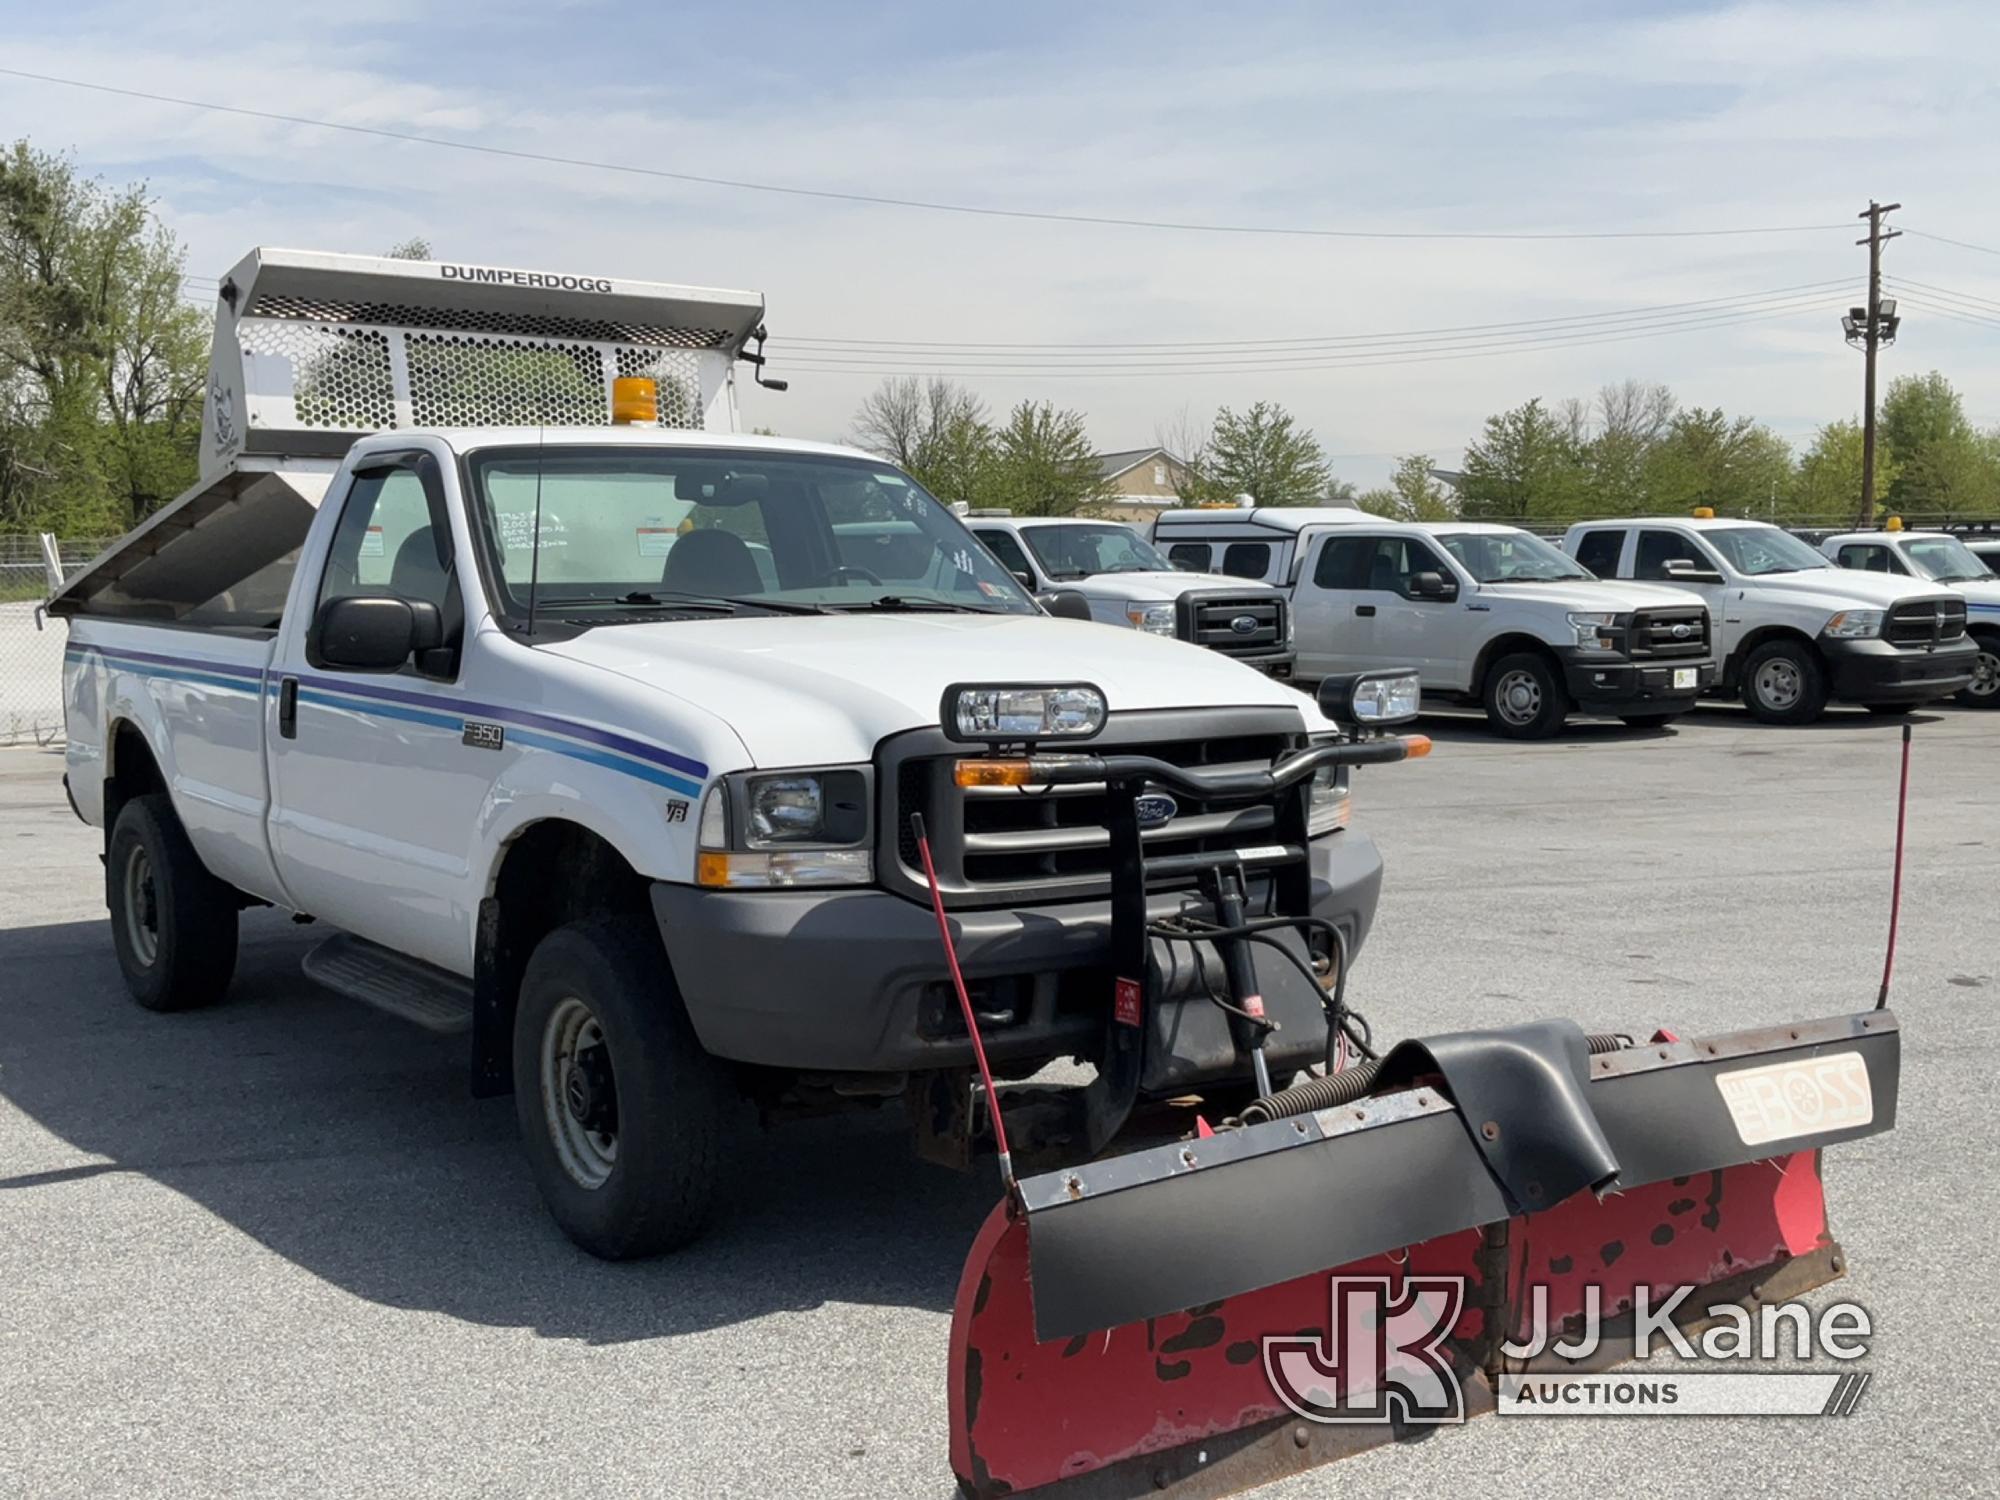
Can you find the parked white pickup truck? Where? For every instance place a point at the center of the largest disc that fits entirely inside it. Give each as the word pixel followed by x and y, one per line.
pixel 1126 582
pixel 1941 558
pixel 604 742
pixel 1792 629
pixel 1490 615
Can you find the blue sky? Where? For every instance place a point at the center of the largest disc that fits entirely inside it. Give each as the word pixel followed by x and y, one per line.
pixel 1445 117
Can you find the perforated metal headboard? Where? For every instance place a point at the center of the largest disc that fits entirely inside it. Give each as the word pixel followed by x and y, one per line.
pixel 311 350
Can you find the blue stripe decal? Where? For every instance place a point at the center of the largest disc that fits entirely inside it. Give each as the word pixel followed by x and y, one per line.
pixel 383 710
pixel 410 706
pixel 525 718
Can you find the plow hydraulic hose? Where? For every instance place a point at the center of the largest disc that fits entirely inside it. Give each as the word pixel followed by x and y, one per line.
pixel 1331 1090
pixel 965 1003
pixel 1896 885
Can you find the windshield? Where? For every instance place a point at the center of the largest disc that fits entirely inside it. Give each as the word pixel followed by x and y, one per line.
pixel 1509 557
pixel 1944 559
pixel 1079 551
pixel 1757 550
pixel 753 531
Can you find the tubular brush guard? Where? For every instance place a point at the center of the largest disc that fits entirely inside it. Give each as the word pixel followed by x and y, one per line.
pixel 1108 1335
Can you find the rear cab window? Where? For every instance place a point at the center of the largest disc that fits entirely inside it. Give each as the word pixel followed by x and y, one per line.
pixel 1600 550
pixel 1194 557
pixel 1247 559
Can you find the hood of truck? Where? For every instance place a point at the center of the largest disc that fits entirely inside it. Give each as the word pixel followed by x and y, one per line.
pixel 822 690
pixel 1843 588
pixel 1159 588
pixel 1981 594
pixel 1587 595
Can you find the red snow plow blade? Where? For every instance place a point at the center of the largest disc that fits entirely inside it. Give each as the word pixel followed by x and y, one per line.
pixel 1166 1321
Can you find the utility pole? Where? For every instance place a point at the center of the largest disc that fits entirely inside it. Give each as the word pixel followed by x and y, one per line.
pixel 1868 328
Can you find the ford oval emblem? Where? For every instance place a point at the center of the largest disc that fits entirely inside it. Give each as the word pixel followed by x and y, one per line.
pixel 1155 809
pixel 1244 624
pixel 1683 630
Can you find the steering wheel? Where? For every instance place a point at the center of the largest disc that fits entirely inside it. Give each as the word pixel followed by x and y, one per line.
pixel 833 575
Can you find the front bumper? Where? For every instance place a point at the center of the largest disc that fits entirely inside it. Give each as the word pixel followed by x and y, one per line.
pixel 855 980
pixel 1610 685
pixel 1874 671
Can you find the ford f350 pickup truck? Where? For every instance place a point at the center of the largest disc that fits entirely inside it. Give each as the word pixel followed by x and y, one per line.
pixel 603 742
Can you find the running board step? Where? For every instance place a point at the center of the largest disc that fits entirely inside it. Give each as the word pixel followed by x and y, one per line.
pixel 406 987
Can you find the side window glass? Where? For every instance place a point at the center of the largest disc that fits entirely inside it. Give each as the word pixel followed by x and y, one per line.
pixel 1414 558
pixel 1003 546
pixel 1866 558
pixel 1194 556
pixel 1658 548
pixel 385 545
pixel 1343 562
pixel 1246 559
pixel 1598 551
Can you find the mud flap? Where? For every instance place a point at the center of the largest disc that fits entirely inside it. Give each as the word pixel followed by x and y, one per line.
pixel 1109 1331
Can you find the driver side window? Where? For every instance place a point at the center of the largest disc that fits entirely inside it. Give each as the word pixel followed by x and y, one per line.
pixel 1658 548
pixel 385 543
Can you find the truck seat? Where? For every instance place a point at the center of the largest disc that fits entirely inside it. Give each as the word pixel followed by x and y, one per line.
pixel 712 562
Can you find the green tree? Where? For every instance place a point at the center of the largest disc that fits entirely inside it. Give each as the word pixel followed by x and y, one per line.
pixel 1525 466
pixel 1043 463
pixel 1707 458
pixel 1413 493
pixel 1263 454
pixel 1826 484
pixel 1943 468
pixel 102 363
pixel 936 430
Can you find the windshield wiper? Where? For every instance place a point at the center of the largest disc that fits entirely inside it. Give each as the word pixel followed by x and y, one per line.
pixel 673 599
pixel 908 604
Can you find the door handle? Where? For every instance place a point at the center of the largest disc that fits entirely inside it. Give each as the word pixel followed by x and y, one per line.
pixel 1364 609
pixel 288 708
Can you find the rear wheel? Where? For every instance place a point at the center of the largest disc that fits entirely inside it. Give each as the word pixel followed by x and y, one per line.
pixel 1984 689
pixel 1649 721
pixel 1524 697
pixel 173 925
pixel 623 1116
pixel 1783 683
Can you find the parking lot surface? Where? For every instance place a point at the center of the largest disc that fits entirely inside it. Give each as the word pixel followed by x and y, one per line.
pixel 273 1247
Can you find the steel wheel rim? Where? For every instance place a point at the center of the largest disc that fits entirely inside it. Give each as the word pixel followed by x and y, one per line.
pixel 1985 676
pixel 142 906
pixel 574 1058
pixel 1519 697
pixel 1778 684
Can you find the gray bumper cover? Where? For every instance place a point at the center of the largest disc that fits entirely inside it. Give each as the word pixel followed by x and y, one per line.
pixel 842 981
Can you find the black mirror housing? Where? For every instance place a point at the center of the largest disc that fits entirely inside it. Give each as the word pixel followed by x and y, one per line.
pixel 1429 585
pixel 376 634
pixel 1067 604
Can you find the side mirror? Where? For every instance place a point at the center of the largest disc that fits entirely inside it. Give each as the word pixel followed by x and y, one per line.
pixel 1371 700
pixel 376 634
pixel 1432 586
pixel 1026 580
pixel 1067 604
pixel 1687 570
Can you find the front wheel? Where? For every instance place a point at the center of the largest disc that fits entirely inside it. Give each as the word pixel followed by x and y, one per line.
pixel 173 925
pixel 1524 697
pixel 1783 683
pixel 1984 689
pixel 623 1116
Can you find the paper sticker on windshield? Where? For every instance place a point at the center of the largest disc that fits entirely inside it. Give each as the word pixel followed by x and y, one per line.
pixel 655 541
pixel 371 542
pixel 896 481
pixel 1809 1097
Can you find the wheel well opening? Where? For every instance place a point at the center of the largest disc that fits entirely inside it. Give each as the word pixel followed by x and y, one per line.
pixel 132 772
pixel 553 873
pixel 1509 645
pixel 1732 670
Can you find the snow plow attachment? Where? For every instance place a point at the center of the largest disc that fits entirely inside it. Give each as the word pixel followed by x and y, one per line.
pixel 1164 1321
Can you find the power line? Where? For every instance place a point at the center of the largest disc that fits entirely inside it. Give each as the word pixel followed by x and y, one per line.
pixel 1360 362
pixel 1945 291
pixel 1331 343
pixel 1958 315
pixel 882 200
pixel 1925 234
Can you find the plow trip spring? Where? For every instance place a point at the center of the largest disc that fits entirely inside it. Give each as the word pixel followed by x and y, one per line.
pixel 1127 1326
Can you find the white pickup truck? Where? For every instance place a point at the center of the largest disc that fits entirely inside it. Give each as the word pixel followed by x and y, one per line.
pixel 1490 615
pixel 603 742
pixel 1941 558
pixel 1126 582
pixel 1792 629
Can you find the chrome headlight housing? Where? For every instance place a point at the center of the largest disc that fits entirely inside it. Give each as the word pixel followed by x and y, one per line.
pixel 1594 631
pixel 1371 700
pixel 1329 804
pixel 803 827
pixel 1004 713
pixel 1854 625
pixel 1154 619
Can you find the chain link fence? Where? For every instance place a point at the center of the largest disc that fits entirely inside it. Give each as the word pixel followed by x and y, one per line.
pixel 31 645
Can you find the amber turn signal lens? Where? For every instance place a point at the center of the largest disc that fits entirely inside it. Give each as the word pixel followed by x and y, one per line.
pixel 1416 746
pixel 711 869
pixel 993 772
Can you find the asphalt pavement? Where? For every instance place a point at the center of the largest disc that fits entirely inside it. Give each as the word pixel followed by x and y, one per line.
pixel 273 1247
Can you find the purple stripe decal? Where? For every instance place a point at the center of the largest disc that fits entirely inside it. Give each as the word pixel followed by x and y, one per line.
pixel 199 663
